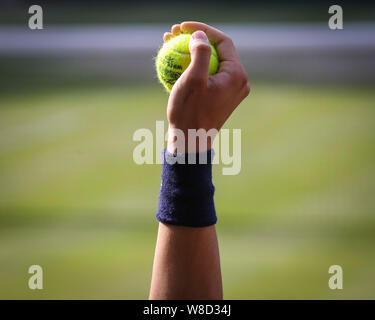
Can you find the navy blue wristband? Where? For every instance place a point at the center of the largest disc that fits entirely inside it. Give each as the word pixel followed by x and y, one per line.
pixel 187 194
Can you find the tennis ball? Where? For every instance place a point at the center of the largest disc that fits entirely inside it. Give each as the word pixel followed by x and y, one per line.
pixel 174 57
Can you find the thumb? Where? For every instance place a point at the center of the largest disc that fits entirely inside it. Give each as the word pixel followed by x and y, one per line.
pixel 200 52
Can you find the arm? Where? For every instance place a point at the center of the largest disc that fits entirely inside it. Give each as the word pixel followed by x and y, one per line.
pixel 187 264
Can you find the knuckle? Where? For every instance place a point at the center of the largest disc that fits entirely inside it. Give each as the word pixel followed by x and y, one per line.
pixel 202 48
pixel 228 40
pixel 247 90
pixel 244 78
pixel 240 76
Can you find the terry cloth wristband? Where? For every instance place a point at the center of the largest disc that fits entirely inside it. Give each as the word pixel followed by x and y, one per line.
pixel 187 194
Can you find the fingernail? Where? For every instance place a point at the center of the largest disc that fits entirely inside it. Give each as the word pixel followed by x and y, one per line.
pixel 200 35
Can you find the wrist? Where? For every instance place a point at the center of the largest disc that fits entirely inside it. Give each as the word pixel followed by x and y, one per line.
pixel 189 140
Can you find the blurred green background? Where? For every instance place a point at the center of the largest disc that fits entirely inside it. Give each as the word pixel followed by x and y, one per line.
pixel 73 201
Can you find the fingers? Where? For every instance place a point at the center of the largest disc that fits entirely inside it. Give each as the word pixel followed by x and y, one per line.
pixel 223 44
pixel 167 36
pixel 230 69
pixel 200 51
pixel 176 30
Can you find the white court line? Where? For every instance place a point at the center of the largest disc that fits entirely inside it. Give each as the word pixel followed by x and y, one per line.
pixel 111 38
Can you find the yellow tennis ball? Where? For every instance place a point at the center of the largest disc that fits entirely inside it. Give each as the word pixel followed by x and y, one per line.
pixel 174 57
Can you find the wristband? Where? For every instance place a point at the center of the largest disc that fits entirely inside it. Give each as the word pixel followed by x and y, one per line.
pixel 186 192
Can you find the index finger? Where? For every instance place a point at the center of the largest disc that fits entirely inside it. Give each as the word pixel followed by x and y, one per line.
pixel 223 44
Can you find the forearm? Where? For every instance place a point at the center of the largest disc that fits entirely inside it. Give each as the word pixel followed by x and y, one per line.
pixel 186 264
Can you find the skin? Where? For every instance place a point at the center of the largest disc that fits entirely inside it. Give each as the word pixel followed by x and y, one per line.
pixel 187 263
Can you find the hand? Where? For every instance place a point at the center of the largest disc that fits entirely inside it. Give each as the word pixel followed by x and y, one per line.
pixel 198 100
